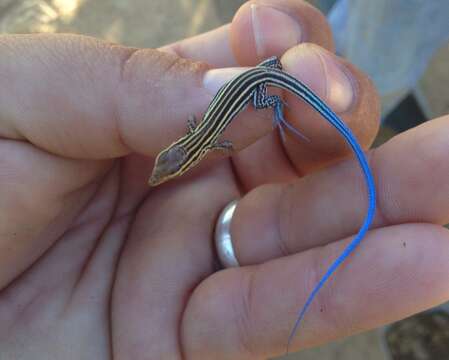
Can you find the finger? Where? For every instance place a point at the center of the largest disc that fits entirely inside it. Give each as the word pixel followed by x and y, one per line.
pixel 163 232
pixel 271 27
pixel 348 91
pixel 84 98
pixel 345 89
pixel 212 47
pixel 248 313
pixel 277 220
pixel 260 29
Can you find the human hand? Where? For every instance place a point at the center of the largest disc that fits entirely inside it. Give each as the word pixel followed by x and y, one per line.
pixel 94 264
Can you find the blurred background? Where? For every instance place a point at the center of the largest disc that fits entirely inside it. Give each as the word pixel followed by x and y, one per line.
pixel 411 70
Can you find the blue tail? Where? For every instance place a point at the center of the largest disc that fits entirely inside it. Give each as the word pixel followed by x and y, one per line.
pixel 313 100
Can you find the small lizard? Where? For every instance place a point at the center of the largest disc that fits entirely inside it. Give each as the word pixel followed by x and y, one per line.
pixel 230 100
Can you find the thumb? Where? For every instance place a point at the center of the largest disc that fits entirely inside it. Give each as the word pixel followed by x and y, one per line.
pixel 80 97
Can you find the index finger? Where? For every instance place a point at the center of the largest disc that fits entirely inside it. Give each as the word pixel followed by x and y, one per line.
pixel 79 97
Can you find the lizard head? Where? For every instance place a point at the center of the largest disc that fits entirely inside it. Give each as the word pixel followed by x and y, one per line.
pixel 169 163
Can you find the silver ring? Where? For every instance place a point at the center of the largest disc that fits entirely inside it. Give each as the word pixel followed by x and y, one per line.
pixel 223 240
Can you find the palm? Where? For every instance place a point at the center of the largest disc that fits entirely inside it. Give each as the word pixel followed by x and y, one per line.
pixel 122 272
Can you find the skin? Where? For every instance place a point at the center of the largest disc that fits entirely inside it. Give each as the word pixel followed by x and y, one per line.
pixel 96 265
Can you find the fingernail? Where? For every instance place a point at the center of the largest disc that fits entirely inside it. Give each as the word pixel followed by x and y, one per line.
pixel 323 73
pixel 274 31
pixel 214 79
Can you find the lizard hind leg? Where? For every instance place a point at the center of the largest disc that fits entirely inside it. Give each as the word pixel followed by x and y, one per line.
pixel 261 100
pixel 279 120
